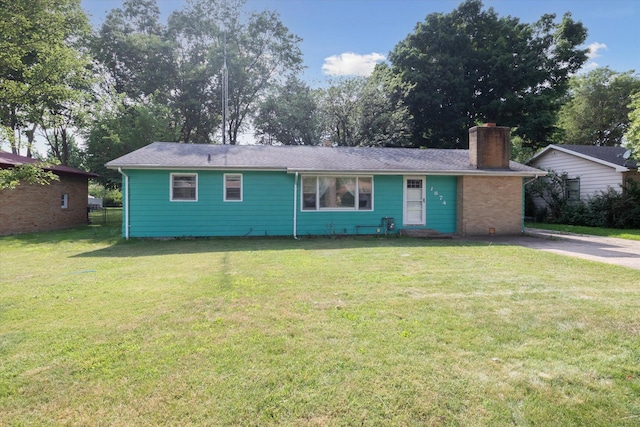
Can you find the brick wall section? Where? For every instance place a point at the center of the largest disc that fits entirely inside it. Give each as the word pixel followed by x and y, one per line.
pixel 489 147
pixel 486 203
pixel 30 208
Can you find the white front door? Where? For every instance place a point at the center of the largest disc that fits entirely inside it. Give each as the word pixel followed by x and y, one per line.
pixel 414 200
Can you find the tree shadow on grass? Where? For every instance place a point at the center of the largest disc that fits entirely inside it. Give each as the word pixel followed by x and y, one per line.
pixel 117 247
pixel 152 247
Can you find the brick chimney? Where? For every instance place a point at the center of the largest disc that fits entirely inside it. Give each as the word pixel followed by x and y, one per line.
pixel 489 146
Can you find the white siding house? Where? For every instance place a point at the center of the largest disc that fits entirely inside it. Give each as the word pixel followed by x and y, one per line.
pixel 590 170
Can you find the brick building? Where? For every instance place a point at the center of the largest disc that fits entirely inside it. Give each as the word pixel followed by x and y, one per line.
pixel 30 208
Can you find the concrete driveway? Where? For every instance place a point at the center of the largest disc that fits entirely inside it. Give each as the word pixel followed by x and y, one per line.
pixel 603 249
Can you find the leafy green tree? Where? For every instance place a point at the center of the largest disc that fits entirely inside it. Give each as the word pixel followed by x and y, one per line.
pixel 341 109
pixel 367 111
pixel 260 52
pixel 198 37
pixel 289 116
pixel 384 119
pixel 597 111
pixel 179 64
pixel 118 129
pixel 62 122
pixel 471 65
pixel 27 173
pixel 135 53
pixel 41 61
pixel 632 135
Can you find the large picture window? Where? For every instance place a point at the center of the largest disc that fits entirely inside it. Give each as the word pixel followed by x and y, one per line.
pixel 337 193
pixel 184 187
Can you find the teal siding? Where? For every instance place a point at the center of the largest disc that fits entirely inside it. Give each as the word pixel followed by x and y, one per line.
pixel 387 202
pixel 441 203
pixel 267 207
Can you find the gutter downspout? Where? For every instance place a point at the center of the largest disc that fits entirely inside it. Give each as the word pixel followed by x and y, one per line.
pixel 126 203
pixel 295 206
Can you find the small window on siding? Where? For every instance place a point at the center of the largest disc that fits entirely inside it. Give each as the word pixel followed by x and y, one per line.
pixel 64 201
pixel 184 187
pixel 232 187
pixel 572 189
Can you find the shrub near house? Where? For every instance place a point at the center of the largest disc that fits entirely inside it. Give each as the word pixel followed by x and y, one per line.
pixel 588 185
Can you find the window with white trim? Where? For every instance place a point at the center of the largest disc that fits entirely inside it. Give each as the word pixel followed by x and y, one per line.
pixel 64 201
pixel 572 189
pixel 232 187
pixel 184 187
pixel 337 193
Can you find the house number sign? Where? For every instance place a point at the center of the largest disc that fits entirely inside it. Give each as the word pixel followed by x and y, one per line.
pixel 439 196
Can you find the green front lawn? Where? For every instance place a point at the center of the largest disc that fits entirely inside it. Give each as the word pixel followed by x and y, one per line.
pixel 594 231
pixel 360 331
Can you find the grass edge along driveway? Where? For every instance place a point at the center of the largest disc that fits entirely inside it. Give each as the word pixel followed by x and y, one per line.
pixel 358 331
pixel 627 234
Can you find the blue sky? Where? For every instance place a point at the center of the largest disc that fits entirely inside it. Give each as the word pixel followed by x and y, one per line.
pixel 347 37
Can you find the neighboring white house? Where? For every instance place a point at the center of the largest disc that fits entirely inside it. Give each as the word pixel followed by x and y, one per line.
pixel 94 203
pixel 589 169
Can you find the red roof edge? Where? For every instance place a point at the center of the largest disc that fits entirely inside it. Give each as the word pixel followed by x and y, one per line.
pixel 9 160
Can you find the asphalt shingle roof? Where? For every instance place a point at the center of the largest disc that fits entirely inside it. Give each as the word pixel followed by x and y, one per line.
pixel 607 154
pixel 305 159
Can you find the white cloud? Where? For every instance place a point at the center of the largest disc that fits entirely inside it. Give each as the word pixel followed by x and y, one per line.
pixel 594 48
pixel 590 66
pixel 351 64
pixel 593 52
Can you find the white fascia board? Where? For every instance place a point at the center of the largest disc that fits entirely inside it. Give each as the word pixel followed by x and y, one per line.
pixel 479 172
pixel 196 168
pixel 536 173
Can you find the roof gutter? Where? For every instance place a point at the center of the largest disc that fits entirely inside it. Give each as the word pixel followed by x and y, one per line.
pixel 295 206
pixel 197 167
pixel 485 172
pixel 126 203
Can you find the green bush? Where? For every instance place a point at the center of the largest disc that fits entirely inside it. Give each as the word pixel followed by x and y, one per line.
pixel 610 209
pixel 111 197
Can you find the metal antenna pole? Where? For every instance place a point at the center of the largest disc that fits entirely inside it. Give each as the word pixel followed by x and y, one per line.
pixel 225 92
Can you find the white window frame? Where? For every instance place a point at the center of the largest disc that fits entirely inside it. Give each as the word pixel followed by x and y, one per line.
pixel 423 200
pixel 572 194
pixel 171 187
pixel 356 196
pixel 225 187
pixel 64 201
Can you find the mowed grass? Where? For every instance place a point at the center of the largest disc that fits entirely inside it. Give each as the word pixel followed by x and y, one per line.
pixel 359 331
pixel 628 234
